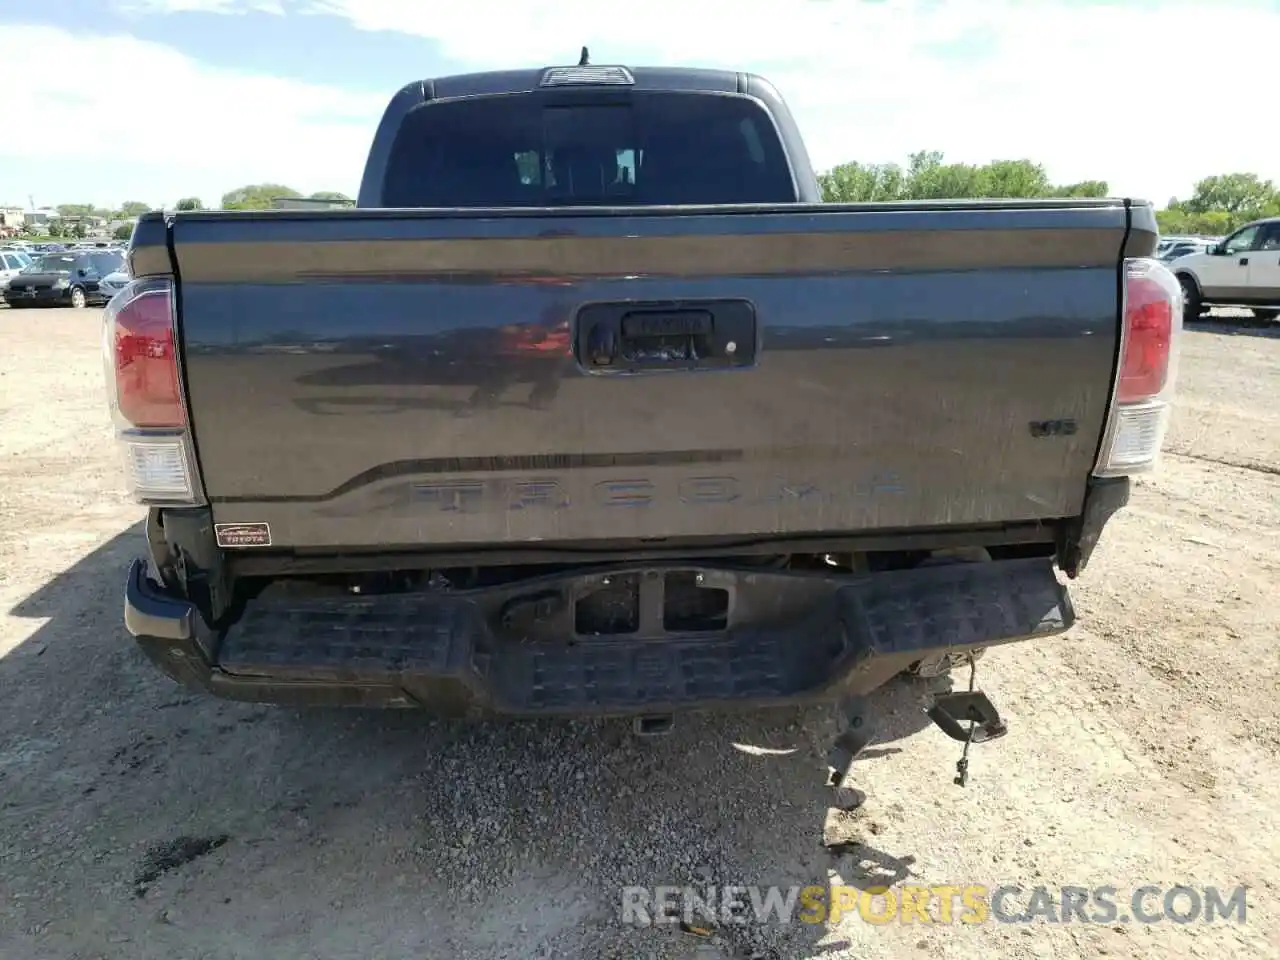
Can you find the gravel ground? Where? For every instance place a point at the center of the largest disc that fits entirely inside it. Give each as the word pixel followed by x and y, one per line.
pixel 137 821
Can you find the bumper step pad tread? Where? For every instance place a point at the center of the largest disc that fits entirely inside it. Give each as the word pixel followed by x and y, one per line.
pixel 964 604
pixel 350 639
pixel 748 665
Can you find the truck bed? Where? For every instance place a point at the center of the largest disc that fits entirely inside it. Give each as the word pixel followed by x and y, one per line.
pixel 389 379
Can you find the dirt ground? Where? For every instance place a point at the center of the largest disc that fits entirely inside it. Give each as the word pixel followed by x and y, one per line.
pixel 137 821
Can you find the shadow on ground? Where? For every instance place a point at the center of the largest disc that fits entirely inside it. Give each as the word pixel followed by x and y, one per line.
pixel 1236 326
pixel 138 818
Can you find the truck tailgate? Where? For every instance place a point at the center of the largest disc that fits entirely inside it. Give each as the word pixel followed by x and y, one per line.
pixel 399 378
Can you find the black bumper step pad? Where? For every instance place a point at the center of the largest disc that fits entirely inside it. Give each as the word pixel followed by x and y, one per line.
pixel 747 665
pixel 855 625
pixel 351 639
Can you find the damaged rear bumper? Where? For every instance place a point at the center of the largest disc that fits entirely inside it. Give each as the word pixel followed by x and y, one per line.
pixel 767 638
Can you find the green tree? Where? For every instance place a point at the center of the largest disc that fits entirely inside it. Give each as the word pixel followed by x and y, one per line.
pixel 862 183
pixel 1237 193
pixel 256 196
pixel 1085 188
pixel 78 231
pixel 133 208
pixel 1013 178
pixel 928 177
pixel 1175 219
pixel 75 209
pixel 123 232
pixel 1220 204
pixel 189 203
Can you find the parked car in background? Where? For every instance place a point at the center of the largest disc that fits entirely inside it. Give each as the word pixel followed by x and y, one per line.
pixel 113 283
pixel 12 262
pixel 1241 271
pixel 1183 246
pixel 69 279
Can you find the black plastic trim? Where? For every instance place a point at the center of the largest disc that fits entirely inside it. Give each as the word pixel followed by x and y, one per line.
pixel 1078 537
pixel 149 612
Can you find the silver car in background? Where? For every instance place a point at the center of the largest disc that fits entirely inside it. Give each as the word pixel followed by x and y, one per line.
pixel 113 283
pixel 12 262
pixel 1183 246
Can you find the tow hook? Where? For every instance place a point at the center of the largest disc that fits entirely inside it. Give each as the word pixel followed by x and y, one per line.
pixel 950 711
pixel 967 717
pixel 653 725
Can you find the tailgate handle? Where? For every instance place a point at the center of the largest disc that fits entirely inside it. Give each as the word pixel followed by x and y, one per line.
pixel 679 335
pixel 668 323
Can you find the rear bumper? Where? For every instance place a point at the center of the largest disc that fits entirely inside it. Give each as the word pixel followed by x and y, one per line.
pixel 790 639
pixel 45 297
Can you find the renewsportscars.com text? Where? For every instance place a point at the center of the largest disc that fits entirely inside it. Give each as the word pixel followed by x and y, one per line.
pixel 935 904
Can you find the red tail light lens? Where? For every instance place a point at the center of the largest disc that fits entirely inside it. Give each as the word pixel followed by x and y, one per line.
pixel 1151 304
pixel 142 355
pixel 1152 327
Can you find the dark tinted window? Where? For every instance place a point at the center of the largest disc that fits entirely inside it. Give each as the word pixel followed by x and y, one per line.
pixel 106 263
pixel 57 262
pixel 656 148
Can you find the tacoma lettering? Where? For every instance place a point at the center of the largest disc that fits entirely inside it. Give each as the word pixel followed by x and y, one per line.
pixel 550 493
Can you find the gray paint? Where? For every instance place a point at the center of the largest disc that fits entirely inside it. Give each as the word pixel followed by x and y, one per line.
pixel 348 384
pixel 336 364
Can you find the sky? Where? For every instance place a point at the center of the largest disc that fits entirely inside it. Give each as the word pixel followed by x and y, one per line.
pixel 107 101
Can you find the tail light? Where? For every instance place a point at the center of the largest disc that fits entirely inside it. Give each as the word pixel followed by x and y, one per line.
pixel 144 391
pixel 1151 327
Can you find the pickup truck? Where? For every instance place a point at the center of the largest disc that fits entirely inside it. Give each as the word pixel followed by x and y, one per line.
pixel 1241 271
pixel 592 407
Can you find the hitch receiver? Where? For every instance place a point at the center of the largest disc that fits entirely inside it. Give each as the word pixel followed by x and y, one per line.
pixel 653 725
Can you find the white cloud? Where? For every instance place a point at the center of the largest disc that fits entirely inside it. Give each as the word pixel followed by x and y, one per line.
pixel 1091 90
pixel 187 128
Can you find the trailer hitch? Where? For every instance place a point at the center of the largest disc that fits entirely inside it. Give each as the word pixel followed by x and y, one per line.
pixel 950 711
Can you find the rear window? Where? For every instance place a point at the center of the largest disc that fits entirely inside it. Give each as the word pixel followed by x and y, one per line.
pixel 56 262
pixel 106 263
pixel 656 148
